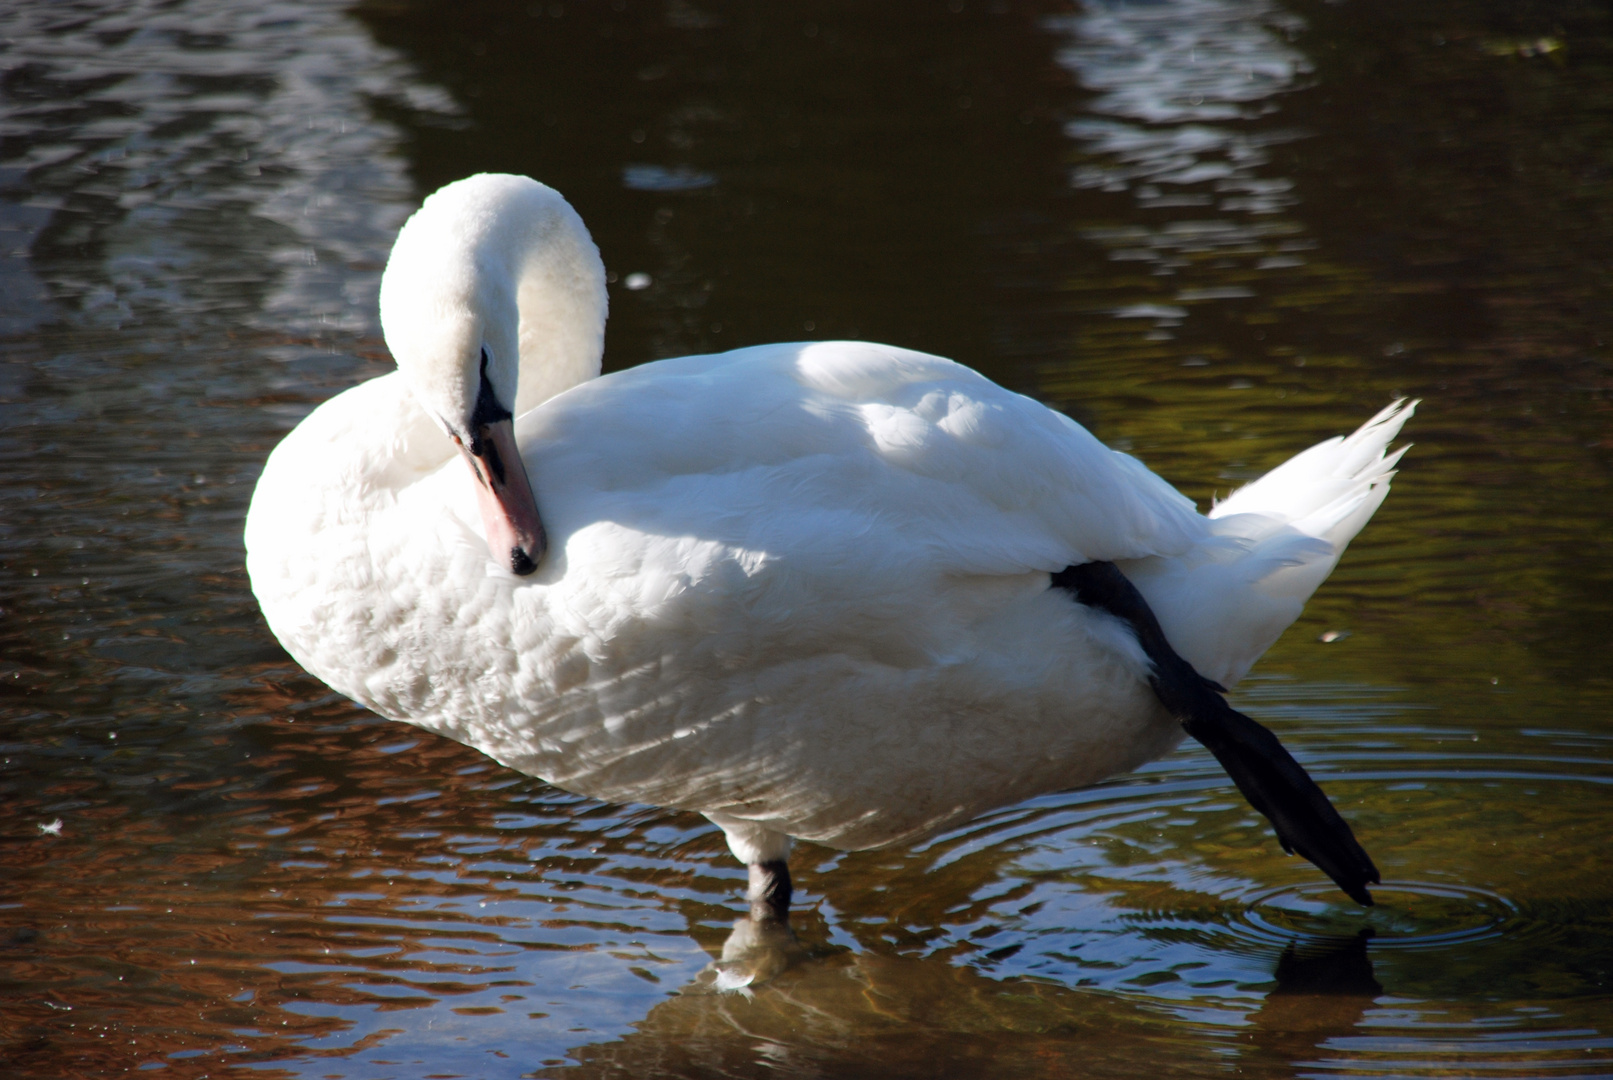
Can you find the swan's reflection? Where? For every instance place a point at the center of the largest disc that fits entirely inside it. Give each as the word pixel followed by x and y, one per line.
pixel 757 951
pixel 866 1014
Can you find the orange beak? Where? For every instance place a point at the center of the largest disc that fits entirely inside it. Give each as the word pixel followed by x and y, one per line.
pixel 509 510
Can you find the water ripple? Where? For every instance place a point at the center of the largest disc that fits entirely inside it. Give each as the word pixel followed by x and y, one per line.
pixel 1407 915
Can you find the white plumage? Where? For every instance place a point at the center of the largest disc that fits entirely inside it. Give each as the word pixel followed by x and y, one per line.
pixel 802 588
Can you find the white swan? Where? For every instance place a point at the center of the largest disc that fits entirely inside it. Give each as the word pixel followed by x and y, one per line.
pixel 803 589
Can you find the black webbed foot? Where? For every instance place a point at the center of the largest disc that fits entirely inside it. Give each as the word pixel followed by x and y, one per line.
pixel 1266 773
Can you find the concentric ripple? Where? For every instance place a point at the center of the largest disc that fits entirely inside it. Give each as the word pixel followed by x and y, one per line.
pixel 1407 915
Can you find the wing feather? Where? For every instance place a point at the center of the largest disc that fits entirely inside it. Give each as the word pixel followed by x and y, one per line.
pixel 829 442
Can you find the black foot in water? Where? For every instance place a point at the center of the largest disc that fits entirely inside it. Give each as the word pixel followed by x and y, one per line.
pixel 1269 777
pixel 769 892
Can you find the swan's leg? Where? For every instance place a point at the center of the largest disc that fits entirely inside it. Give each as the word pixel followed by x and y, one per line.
pixel 765 853
pixel 1269 777
pixel 769 892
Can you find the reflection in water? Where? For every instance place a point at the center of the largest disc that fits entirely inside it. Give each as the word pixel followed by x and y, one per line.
pixel 1166 74
pixel 756 952
pixel 860 1014
pixel 150 143
pixel 1180 90
pixel 195 200
pixel 866 1015
pixel 1319 997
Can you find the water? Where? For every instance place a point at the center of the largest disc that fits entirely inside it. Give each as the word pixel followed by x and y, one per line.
pixel 1213 230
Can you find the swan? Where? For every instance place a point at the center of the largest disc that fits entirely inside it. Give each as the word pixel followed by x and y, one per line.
pixel 833 591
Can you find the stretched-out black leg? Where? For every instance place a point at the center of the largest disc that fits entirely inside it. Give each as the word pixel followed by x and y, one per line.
pixel 1269 777
pixel 769 892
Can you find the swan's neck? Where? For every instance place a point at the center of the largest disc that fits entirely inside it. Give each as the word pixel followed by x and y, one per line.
pixel 560 295
pixel 501 268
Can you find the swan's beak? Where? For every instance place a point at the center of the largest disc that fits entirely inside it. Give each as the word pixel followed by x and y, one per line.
pixel 509 510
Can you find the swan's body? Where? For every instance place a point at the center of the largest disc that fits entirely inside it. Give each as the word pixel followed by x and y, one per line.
pixel 803 589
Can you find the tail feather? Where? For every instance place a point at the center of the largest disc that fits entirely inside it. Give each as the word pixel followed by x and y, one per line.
pixel 1333 472
pixel 1269 545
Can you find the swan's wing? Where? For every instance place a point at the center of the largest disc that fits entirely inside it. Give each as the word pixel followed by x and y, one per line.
pixel 783 447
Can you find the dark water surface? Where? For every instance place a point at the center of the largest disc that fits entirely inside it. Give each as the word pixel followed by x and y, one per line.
pixel 1213 230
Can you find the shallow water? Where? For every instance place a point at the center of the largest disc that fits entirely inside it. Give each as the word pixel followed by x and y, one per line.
pixel 1215 231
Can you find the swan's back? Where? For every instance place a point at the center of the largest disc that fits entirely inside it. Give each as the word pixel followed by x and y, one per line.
pixel 779 444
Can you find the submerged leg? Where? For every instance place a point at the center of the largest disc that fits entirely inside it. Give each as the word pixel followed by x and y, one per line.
pixel 765 853
pixel 762 944
pixel 1269 777
pixel 769 892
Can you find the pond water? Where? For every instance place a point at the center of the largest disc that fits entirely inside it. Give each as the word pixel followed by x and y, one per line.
pixel 1215 231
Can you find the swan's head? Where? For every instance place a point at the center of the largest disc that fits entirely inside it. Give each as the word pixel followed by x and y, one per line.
pixel 493 300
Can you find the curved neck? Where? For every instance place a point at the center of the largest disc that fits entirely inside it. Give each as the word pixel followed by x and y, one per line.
pixel 494 276
pixel 561 299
